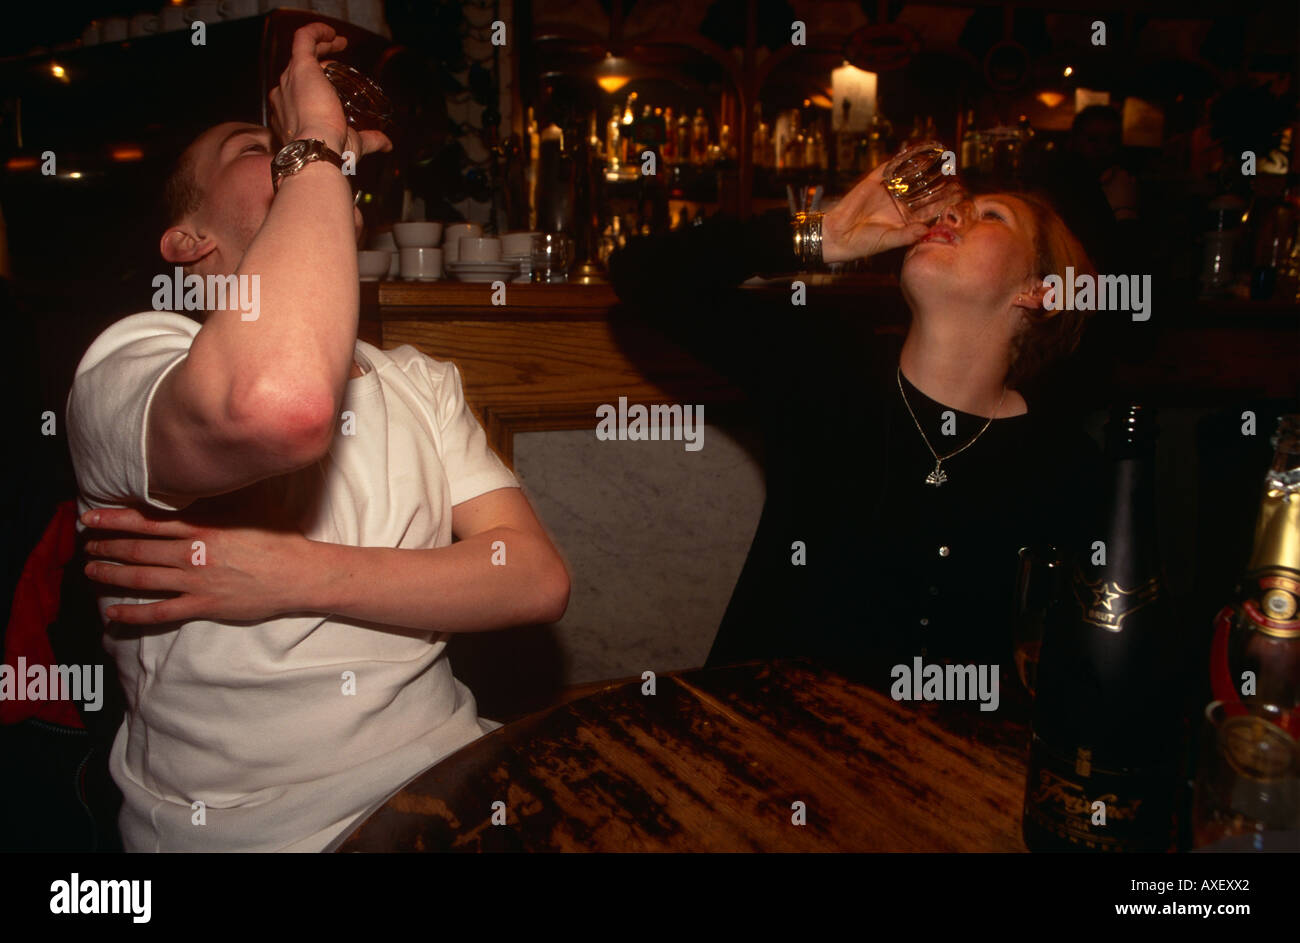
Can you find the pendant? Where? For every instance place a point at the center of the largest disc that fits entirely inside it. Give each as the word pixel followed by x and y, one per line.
pixel 936 477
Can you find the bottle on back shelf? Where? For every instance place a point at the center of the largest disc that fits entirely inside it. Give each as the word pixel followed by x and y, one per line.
pixel 534 158
pixel 792 155
pixel 1255 655
pixel 878 144
pixel 762 140
pixel 846 142
pixel 613 129
pixel 1272 225
pixel 699 138
pixel 969 156
pixel 684 139
pixel 916 135
pixel 1107 723
pixel 627 134
pixel 645 131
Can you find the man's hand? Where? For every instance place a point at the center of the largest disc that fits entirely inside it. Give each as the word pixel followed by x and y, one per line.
pixel 305 105
pixel 866 222
pixel 502 571
pixel 218 573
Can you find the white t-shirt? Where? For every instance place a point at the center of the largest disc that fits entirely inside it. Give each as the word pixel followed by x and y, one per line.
pixel 253 720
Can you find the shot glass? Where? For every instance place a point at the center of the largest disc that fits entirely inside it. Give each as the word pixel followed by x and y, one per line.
pixel 551 256
pixel 915 179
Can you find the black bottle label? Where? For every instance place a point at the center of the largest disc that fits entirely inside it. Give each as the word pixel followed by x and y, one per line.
pixel 1093 809
pixel 1105 603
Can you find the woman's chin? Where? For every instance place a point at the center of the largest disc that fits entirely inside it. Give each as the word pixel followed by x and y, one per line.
pixel 923 261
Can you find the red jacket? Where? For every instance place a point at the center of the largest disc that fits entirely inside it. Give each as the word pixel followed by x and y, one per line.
pixel 35 607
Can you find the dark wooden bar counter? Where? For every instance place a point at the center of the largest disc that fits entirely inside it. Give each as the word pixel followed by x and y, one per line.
pixel 548 357
pixel 715 760
pixel 541 362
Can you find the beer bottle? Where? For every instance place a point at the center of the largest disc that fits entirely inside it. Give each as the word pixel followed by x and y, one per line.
pixel 1107 727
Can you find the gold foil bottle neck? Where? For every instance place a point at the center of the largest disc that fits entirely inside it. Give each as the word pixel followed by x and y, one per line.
pixel 1277 534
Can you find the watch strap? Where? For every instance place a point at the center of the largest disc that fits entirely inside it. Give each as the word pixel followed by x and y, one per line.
pixel 315 150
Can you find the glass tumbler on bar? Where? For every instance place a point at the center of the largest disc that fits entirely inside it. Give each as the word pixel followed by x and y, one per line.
pixel 1247 795
pixel 551 256
pixel 915 179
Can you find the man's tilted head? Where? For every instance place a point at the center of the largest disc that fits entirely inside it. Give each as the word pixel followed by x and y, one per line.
pixel 217 198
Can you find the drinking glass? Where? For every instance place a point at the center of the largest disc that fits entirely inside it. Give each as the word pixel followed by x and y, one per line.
pixel 1247 795
pixel 916 181
pixel 365 105
pixel 1038 585
pixel 551 255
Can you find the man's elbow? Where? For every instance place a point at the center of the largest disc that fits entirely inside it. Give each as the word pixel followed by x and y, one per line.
pixel 552 592
pixel 292 426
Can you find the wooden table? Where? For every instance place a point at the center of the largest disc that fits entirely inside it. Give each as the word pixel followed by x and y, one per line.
pixel 714 761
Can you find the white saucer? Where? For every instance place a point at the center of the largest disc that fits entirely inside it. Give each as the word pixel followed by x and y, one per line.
pixel 470 266
pixel 483 271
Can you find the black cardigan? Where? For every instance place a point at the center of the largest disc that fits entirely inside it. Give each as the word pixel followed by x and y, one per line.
pixel 891 567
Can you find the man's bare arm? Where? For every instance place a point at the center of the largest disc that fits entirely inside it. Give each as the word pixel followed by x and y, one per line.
pixel 504 571
pixel 258 398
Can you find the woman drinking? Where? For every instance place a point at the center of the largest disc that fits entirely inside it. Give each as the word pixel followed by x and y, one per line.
pixel 901 481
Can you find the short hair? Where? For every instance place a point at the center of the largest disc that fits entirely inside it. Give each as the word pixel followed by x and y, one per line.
pixel 1049 335
pixel 182 195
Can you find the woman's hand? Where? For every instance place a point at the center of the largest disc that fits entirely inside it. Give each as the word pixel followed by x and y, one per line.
pixel 866 222
pixel 218 573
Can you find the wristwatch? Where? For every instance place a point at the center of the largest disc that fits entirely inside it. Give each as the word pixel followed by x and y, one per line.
pixel 296 155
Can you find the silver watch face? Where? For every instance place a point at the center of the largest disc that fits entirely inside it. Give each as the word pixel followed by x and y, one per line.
pixel 291 155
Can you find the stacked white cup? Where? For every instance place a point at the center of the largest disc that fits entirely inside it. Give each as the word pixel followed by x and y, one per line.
pixel 417 242
pixel 517 247
pixel 455 232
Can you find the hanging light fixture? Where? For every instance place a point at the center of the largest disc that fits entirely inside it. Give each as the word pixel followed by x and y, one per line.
pixel 611 74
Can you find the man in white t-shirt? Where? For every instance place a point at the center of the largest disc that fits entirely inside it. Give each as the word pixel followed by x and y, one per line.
pixel 281 639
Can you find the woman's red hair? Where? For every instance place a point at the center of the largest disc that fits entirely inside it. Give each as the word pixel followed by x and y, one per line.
pixel 1049 335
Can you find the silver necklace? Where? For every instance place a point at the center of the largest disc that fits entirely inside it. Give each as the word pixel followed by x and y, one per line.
pixel 939 476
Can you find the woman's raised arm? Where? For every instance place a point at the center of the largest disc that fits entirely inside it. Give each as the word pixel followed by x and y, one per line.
pixel 684 283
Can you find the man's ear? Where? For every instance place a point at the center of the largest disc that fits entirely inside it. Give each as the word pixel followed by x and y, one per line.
pixel 180 245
